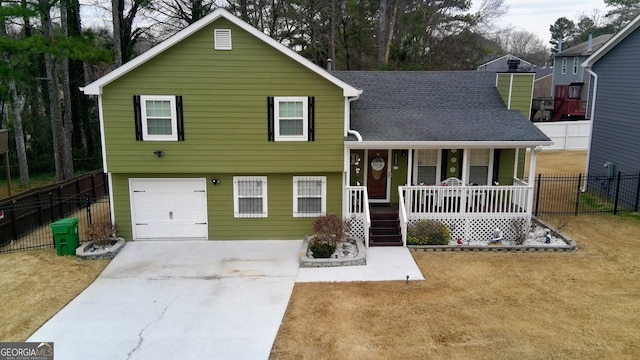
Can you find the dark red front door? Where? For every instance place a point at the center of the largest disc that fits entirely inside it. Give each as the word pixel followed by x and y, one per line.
pixel 377 174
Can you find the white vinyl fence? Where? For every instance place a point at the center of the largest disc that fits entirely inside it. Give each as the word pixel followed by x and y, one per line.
pixel 567 135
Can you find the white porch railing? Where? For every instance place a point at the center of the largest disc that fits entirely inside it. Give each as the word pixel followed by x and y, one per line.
pixel 469 211
pixel 356 207
pixel 420 200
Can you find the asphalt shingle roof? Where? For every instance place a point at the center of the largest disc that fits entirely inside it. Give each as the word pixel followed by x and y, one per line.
pixel 434 106
pixel 582 49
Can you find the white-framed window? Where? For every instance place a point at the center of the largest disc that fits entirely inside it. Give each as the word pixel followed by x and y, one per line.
pixel 250 196
pixel 479 166
pixel 309 196
pixel 159 118
pixel 575 64
pixel 291 118
pixel 564 65
pixel 222 39
pixel 427 167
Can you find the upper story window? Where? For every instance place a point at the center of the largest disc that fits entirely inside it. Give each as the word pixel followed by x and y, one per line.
pixel 249 196
pixel 564 65
pixel 158 118
pixel 291 118
pixel 575 64
pixel 309 196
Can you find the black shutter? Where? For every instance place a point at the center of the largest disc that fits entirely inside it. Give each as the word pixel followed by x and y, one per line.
pixel 312 118
pixel 270 116
pixel 180 118
pixel 137 117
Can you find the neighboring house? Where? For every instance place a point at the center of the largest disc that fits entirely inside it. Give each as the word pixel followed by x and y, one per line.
pixel 505 63
pixel 615 106
pixel 220 132
pixel 570 82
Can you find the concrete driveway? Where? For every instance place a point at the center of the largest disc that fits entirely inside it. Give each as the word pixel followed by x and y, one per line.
pixel 180 300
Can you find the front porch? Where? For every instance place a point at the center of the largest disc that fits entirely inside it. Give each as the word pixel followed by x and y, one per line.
pixel 472 190
pixel 470 212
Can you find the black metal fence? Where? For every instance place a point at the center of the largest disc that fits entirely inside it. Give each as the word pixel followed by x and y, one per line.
pixel 590 194
pixel 33 230
pixel 25 218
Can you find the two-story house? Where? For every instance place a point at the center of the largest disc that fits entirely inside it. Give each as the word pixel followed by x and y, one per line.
pixel 614 144
pixel 220 132
pixel 571 84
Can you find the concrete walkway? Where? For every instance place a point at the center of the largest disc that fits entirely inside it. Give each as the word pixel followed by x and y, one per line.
pixel 197 299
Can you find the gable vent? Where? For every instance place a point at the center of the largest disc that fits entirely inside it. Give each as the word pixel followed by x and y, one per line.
pixel 222 39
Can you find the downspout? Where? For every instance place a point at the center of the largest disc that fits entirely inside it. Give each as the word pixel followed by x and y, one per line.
pixel 593 112
pixel 347 120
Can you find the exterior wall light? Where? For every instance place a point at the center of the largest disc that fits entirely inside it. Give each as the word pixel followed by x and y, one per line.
pixel 159 153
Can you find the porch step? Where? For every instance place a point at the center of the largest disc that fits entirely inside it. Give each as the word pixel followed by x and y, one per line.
pixel 385 228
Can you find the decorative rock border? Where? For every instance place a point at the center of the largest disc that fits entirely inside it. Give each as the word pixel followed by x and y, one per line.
pixel 571 245
pixel 88 252
pixel 359 259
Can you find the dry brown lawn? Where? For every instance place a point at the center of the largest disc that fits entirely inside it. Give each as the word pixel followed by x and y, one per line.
pixel 579 305
pixel 36 285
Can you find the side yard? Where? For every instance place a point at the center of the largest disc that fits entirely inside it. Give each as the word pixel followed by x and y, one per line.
pixel 35 285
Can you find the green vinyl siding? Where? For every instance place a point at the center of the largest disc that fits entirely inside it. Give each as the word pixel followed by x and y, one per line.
pixel 280 223
pixel 225 110
pixel 516 90
pixel 505 167
pixel 398 173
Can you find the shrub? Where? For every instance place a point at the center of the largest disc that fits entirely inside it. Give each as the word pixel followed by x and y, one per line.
pixel 322 249
pixel 102 233
pixel 428 232
pixel 330 228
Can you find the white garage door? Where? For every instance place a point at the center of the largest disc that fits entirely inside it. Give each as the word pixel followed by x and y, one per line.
pixel 169 208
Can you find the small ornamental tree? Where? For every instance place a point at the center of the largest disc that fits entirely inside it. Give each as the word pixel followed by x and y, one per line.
pixel 328 230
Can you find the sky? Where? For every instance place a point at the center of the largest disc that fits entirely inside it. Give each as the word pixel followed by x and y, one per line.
pixel 537 15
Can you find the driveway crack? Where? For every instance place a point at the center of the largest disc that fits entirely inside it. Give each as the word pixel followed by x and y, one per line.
pixel 141 333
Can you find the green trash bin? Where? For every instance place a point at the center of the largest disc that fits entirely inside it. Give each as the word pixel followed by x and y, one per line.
pixel 65 236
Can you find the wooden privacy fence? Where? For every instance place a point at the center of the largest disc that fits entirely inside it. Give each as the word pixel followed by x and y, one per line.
pixel 590 194
pixel 25 215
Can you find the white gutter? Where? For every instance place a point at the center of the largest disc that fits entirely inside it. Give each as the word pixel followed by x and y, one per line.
pixel 347 117
pixel 443 144
pixel 593 112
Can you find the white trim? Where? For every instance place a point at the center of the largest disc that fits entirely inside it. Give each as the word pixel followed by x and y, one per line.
pixel 323 195
pixel 305 118
pixel 593 113
pixel 576 65
pixel 222 39
pixel 510 92
pixel 102 138
pixel 111 204
pixel 95 88
pixel 143 118
pixel 508 56
pixel 263 195
pixel 563 67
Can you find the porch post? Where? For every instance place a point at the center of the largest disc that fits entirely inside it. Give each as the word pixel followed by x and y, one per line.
pixel 409 166
pixel 531 178
pixel 515 164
